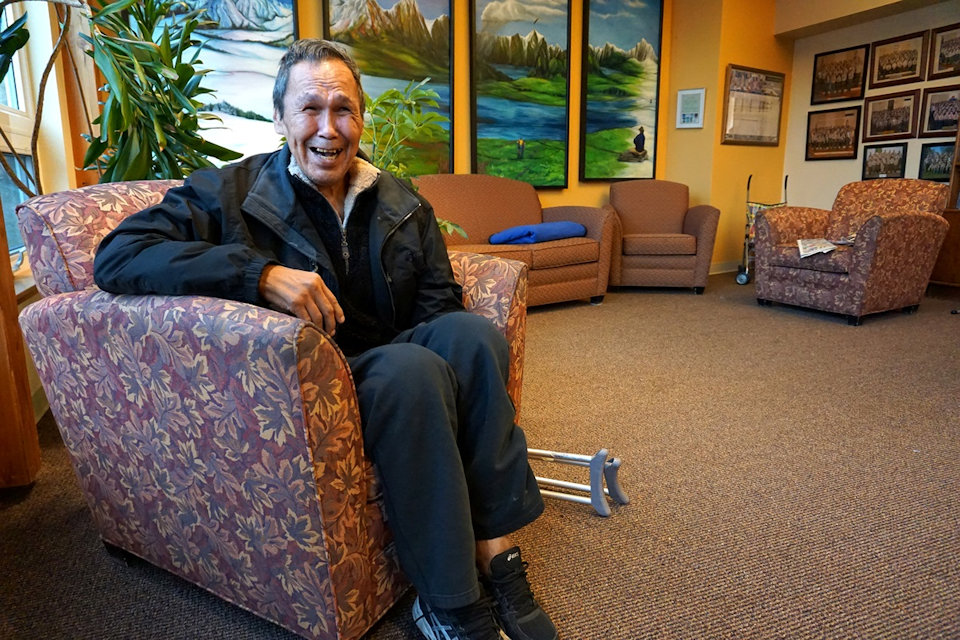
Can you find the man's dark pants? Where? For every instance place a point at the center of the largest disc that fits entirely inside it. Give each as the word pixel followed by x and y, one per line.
pixel 438 425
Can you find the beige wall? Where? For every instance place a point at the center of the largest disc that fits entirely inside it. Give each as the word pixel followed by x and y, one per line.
pixel 816 183
pixel 801 18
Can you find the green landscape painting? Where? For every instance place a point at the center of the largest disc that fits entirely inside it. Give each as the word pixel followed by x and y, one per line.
pixel 395 42
pixel 621 62
pixel 521 90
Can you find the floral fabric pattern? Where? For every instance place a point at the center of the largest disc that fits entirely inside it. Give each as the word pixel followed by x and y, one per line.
pixel 219 440
pixel 888 265
pixel 62 232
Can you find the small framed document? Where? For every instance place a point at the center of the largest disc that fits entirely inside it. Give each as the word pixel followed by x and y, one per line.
pixel 690 108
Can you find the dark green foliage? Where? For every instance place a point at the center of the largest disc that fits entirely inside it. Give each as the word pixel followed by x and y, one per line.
pixel 150 123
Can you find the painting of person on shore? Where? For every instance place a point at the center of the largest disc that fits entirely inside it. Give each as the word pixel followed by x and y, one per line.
pixel 621 89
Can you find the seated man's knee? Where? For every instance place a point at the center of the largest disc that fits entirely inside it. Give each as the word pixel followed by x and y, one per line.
pixel 468 330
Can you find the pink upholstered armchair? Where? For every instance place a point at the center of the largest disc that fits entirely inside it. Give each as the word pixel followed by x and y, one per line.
pixel 219 440
pixel 659 239
pixel 898 227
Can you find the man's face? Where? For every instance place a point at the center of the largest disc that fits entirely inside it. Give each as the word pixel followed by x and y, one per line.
pixel 322 120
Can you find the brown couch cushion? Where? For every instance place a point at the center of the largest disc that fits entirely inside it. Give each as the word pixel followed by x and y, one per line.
pixel 562 253
pixel 659 244
pixel 519 252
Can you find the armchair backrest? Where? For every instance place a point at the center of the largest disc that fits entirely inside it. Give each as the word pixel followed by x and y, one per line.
pixel 857 202
pixel 650 206
pixel 481 204
pixel 63 230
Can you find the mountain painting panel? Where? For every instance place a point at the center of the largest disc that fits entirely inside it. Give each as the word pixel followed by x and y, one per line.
pixel 243 51
pixel 521 90
pixel 621 69
pixel 395 42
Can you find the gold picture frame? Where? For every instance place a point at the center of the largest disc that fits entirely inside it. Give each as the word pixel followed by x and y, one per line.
pixel 752 106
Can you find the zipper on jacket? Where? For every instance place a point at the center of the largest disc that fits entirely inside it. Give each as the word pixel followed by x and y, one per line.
pixel 383 272
pixel 345 250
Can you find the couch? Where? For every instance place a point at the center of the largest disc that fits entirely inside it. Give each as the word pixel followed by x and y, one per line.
pixel 218 440
pixel 659 239
pixel 560 270
pixel 897 228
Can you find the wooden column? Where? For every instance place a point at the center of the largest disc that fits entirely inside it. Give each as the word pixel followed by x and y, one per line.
pixel 19 445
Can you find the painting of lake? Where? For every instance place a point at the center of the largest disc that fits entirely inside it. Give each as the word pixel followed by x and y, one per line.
pixel 520 90
pixel 242 51
pixel 621 62
pixel 395 42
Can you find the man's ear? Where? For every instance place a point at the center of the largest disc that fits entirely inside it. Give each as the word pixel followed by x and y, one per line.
pixel 278 126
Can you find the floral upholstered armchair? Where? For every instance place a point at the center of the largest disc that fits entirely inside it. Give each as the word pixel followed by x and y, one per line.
pixel 897 228
pixel 218 440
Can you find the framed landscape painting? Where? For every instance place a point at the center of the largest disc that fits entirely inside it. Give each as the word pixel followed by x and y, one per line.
pixel 833 134
pixel 396 42
pixel 620 89
pixel 839 75
pixel 936 159
pixel 242 52
pixel 520 90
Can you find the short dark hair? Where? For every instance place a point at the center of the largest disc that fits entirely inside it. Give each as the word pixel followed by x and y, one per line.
pixel 315 50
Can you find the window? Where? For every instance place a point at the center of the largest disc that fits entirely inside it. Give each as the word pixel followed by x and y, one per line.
pixel 16 120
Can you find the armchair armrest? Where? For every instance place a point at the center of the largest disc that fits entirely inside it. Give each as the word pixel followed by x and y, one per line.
pixel 789 224
pixel 602 225
pixel 595 219
pixel 700 219
pixel 893 256
pixel 496 288
pixel 220 441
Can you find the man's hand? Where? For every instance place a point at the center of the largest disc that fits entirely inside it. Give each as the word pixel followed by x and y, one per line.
pixel 303 294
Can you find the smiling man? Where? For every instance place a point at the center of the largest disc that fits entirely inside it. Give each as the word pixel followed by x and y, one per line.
pixel 315 230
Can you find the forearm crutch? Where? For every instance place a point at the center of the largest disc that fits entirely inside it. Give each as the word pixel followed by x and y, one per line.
pixel 602 467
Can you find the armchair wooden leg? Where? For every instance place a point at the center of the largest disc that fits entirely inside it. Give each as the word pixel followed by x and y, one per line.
pixel 698 290
pixel 911 309
pixel 854 321
pixel 764 303
pixel 596 299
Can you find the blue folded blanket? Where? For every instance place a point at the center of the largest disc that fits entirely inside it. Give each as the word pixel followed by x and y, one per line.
pixel 530 233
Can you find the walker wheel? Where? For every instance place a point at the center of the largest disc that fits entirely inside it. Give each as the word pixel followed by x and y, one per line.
pixel 743 278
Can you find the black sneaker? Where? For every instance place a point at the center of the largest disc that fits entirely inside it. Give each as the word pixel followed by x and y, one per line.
pixel 514 605
pixel 472 622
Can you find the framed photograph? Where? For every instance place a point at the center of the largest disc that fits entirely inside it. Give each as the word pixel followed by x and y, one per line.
pixel 403 44
pixel 839 75
pixel 898 60
pixel 833 134
pixel 690 108
pixel 620 88
pixel 243 50
pixel 753 100
pixel 944 52
pixel 935 161
pixel 939 113
pixel 884 161
pixel 892 116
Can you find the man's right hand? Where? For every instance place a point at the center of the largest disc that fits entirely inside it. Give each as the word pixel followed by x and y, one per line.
pixel 303 294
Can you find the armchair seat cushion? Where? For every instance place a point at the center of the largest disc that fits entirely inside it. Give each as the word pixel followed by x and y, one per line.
pixel 659 244
pixel 836 261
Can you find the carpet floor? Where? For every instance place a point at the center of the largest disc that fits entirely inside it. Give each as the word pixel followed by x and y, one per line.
pixel 790 476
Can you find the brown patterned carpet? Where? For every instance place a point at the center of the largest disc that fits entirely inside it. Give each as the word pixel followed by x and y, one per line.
pixel 790 476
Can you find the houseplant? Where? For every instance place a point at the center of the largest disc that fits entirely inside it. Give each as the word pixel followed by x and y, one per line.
pixel 393 119
pixel 150 121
